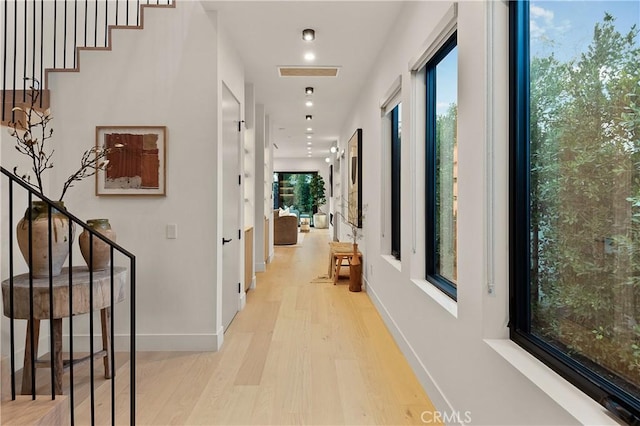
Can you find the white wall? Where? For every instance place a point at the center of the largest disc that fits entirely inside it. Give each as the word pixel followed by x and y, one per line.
pixel 166 75
pixel 446 342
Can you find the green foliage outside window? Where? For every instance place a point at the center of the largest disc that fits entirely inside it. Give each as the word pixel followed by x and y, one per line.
pixel 585 202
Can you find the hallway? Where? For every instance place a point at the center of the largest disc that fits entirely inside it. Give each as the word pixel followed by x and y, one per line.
pixel 303 351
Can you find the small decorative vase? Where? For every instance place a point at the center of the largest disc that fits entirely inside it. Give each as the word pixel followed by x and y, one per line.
pixel 38 215
pixel 101 251
pixel 355 274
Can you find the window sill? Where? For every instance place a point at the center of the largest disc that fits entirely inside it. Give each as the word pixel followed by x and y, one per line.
pixel 584 409
pixel 393 261
pixel 438 296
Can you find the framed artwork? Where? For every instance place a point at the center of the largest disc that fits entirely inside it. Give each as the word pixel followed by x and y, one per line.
pixel 137 160
pixel 354 164
pixel 331 180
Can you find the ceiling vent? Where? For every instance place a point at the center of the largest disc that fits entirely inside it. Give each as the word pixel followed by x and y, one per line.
pixel 308 71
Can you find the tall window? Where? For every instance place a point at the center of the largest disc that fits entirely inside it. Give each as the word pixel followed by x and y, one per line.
pixel 575 193
pixel 396 129
pixel 442 168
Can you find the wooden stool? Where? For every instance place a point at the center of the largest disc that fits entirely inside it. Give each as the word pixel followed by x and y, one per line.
pixel 80 277
pixel 336 249
pixel 340 258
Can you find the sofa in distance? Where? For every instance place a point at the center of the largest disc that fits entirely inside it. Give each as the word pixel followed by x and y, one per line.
pixel 285 229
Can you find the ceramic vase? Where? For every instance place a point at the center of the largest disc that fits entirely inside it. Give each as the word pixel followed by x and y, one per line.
pixel 38 216
pixel 101 257
pixel 355 275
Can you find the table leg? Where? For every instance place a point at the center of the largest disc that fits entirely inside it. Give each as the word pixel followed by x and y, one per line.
pixel 105 316
pixel 58 361
pixel 33 327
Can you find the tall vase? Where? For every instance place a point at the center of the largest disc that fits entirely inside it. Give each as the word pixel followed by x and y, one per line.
pixel 101 256
pixel 355 275
pixel 38 215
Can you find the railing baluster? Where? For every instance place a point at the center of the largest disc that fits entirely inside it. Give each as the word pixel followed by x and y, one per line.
pixel 117 9
pixel 4 60
pixel 127 21
pixel 75 32
pixel 137 12
pixel 95 26
pixel 132 352
pixel 31 328
pixel 112 367
pixel 55 31
pixel 64 38
pixel 86 8
pixel 51 331
pixel 15 54
pixel 106 22
pixel 41 47
pixel 71 387
pixel 33 50
pixel 24 66
pixel 11 302
pixel 91 349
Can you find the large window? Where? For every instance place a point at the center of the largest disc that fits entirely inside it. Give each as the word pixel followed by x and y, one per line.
pixel 396 129
pixel 442 167
pixel 575 193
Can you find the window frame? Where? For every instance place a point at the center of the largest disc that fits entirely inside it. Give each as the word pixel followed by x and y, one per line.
pixel 433 276
pixel 612 397
pixel 396 168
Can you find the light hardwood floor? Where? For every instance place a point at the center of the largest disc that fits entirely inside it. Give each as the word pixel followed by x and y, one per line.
pixel 303 351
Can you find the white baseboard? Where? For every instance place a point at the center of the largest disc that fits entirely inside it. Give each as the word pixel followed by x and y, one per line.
pixel 253 283
pixel 261 267
pixel 242 301
pixel 425 378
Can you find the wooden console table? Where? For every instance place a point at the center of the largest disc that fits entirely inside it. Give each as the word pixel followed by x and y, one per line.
pixel 80 305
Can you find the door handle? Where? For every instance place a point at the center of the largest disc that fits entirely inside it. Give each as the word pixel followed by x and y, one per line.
pixel 225 241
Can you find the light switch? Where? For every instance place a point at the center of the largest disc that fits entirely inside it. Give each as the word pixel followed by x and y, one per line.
pixel 172 231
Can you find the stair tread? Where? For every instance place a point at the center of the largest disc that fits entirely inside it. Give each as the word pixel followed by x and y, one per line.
pixel 41 411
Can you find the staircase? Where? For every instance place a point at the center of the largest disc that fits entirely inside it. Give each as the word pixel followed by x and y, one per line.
pixel 43 36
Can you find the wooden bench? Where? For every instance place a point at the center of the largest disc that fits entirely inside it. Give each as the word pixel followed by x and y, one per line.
pixel 338 253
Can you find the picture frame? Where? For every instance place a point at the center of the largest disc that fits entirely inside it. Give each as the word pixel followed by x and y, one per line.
pixel 137 161
pixel 331 180
pixel 354 177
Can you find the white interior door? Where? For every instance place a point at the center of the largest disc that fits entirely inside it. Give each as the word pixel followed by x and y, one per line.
pixel 232 196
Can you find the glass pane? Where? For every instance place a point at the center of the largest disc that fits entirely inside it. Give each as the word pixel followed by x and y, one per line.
pixel 447 166
pixel 396 130
pixel 585 183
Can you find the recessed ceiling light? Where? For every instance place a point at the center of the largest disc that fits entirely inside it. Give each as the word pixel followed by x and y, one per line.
pixel 309 56
pixel 309 103
pixel 327 159
pixel 309 155
pixel 309 136
pixel 309 148
pixel 309 117
pixel 309 143
pixel 309 129
pixel 308 34
pixel 308 90
pixel 334 149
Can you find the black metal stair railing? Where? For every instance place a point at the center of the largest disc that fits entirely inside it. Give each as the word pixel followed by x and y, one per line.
pixel 44 34
pixel 55 361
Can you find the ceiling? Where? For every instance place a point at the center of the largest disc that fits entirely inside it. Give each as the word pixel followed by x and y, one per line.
pixel 268 34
